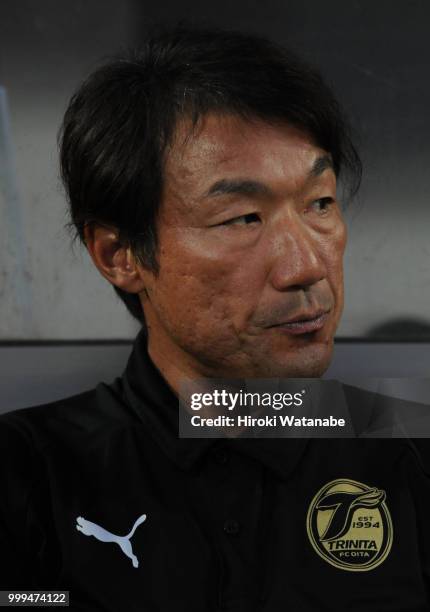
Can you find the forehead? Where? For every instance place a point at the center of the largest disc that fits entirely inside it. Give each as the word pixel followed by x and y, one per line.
pixel 226 146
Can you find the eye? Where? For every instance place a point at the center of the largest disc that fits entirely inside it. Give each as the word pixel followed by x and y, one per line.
pixel 242 220
pixel 322 205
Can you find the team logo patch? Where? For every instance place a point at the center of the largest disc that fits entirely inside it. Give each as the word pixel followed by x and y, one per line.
pixel 349 525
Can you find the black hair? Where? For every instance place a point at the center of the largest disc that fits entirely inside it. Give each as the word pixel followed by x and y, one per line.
pixel 121 119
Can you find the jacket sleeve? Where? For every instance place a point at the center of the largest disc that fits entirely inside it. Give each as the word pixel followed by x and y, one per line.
pixel 18 482
pixel 419 480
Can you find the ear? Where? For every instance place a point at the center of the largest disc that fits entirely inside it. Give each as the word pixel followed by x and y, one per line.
pixel 113 259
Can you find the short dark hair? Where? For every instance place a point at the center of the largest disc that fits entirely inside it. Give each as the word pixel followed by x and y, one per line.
pixel 120 120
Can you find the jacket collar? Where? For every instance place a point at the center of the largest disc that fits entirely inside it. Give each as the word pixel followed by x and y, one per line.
pixel 157 407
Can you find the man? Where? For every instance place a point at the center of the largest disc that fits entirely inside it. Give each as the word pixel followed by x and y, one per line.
pixel 202 176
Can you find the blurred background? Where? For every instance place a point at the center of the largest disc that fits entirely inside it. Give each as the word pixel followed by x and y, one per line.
pixel 61 326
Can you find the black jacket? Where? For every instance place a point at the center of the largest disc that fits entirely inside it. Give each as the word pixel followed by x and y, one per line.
pixel 100 497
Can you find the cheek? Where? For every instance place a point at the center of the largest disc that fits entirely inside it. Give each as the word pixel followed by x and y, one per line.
pixel 334 262
pixel 198 292
pixel 334 249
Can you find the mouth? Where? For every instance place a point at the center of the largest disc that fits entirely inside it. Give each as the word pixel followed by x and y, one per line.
pixel 303 324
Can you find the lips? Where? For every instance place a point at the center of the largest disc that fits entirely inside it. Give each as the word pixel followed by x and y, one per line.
pixel 303 323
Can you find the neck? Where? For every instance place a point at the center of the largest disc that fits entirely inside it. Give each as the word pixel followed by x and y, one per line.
pixel 173 363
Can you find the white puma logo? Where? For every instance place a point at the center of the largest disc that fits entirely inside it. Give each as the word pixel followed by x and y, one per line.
pixel 92 529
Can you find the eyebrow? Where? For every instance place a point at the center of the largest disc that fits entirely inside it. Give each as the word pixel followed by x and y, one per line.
pixel 320 165
pixel 249 187
pixel 239 187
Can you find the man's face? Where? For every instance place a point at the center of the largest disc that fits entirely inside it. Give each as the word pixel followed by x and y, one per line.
pixel 251 240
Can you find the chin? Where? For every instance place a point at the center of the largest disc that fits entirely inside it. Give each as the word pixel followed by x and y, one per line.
pixel 305 362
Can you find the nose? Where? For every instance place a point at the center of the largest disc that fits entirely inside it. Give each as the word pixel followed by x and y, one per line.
pixel 298 260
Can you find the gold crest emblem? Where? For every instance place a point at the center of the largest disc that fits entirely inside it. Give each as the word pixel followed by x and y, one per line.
pixel 349 525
